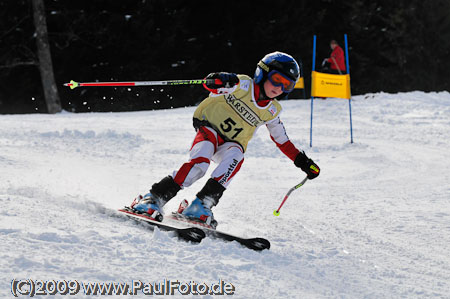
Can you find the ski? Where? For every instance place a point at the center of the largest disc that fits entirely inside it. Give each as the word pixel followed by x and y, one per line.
pixel 257 244
pixel 193 234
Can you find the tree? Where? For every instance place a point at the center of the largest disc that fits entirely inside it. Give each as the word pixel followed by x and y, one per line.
pixel 45 60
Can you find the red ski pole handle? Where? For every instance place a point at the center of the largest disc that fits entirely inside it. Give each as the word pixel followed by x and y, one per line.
pixel 213 81
pixel 216 82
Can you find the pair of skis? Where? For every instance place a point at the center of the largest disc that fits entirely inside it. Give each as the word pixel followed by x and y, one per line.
pixel 194 231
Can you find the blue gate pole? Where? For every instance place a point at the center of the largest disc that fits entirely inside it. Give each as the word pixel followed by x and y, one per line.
pixel 349 100
pixel 312 98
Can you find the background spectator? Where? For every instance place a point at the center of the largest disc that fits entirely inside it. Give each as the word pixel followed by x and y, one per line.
pixel 335 64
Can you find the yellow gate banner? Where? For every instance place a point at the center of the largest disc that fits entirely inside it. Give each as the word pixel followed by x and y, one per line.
pixel 330 85
pixel 300 83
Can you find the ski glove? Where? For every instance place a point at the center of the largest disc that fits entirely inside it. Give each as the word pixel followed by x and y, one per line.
pixel 228 80
pixel 307 165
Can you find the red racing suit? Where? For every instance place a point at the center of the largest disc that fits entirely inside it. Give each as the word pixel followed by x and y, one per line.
pixel 338 56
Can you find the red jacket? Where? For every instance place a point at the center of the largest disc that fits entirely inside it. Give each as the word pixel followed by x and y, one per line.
pixel 338 55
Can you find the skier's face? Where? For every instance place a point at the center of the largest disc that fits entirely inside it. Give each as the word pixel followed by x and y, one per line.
pixel 271 90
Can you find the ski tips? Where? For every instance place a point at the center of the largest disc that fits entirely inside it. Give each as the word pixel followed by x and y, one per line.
pixel 72 84
pixel 276 213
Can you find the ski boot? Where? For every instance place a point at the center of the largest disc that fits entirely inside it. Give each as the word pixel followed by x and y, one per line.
pixel 149 205
pixel 152 202
pixel 208 197
pixel 201 210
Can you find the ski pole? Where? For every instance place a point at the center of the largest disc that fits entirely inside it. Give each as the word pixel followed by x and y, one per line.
pixel 72 84
pixel 337 66
pixel 277 212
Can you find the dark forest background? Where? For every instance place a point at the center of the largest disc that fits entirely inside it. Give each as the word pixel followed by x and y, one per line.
pixel 394 46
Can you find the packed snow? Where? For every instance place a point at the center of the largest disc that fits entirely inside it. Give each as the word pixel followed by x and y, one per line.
pixel 374 224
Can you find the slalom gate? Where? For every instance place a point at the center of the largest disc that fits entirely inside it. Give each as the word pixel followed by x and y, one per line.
pixel 326 85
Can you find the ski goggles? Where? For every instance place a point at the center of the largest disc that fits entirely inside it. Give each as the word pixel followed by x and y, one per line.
pixel 278 79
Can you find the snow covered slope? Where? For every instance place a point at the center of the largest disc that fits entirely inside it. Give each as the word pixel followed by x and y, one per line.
pixel 375 224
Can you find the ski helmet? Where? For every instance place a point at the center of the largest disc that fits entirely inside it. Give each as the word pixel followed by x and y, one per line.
pixel 278 61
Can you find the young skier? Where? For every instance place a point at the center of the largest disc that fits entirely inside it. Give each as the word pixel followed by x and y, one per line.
pixel 225 122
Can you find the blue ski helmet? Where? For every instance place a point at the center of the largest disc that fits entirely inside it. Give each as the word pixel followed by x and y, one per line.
pixel 279 61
